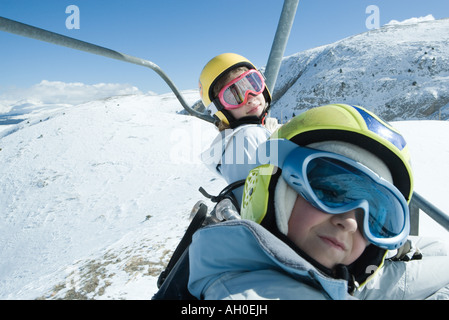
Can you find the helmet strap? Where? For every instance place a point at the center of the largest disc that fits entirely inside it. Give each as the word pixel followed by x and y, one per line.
pixel 263 117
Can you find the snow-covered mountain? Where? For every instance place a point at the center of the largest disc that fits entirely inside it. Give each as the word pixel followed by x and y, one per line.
pixel 95 196
pixel 400 71
pixel 76 180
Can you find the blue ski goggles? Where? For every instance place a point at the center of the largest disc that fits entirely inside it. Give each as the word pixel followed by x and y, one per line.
pixel 336 184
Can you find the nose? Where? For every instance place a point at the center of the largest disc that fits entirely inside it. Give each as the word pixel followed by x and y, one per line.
pixel 347 221
pixel 251 97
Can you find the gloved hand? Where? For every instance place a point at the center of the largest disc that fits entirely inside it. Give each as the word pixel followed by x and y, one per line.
pixel 407 252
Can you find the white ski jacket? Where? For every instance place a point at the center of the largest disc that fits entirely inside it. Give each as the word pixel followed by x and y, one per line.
pixel 427 278
pixel 232 154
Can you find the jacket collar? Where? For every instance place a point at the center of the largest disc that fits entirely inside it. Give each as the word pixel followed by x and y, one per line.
pixel 249 238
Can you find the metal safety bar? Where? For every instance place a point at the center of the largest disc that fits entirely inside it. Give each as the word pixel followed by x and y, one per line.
pixel 280 42
pixel 419 203
pixel 25 30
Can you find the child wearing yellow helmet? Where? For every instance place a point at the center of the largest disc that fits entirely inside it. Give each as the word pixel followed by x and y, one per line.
pixel 326 213
pixel 235 93
pixel 229 82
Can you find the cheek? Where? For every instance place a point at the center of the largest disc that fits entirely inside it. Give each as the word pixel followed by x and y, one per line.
pixel 359 244
pixel 303 218
pixel 237 113
pixel 261 98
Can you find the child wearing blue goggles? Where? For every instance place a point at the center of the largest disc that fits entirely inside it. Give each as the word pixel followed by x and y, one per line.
pixel 320 215
pixel 336 184
pixel 332 206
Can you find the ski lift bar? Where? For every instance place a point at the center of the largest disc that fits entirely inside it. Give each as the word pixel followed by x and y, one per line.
pixel 418 202
pixel 25 30
pixel 280 42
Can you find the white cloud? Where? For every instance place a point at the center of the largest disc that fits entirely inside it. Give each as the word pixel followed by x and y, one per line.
pixel 57 92
pixel 429 17
pixel 4 108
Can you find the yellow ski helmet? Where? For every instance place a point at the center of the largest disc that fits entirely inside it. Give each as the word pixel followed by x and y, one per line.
pixel 337 122
pixel 213 71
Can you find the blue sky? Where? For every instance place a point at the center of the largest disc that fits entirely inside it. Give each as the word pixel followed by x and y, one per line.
pixel 179 36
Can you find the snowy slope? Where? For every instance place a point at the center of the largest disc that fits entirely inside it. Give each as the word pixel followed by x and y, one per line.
pixel 399 71
pixel 76 181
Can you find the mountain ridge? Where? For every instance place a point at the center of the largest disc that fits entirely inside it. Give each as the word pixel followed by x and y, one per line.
pixel 400 72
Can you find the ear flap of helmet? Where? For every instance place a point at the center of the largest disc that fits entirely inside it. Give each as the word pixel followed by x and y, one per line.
pixel 221 117
pixel 255 194
pixel 220 113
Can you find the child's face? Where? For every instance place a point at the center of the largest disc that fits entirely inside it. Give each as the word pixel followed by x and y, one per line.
pixel 329 239
pixel 253 107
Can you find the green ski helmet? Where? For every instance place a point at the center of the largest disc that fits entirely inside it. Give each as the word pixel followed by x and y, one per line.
pixel 337 122
pixel 211 74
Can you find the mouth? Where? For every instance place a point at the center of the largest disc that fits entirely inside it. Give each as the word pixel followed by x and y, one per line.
pixel 253 110
pixel 333 243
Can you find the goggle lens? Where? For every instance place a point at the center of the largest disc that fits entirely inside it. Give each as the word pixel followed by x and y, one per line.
pixel 235 94
pixel 337 184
